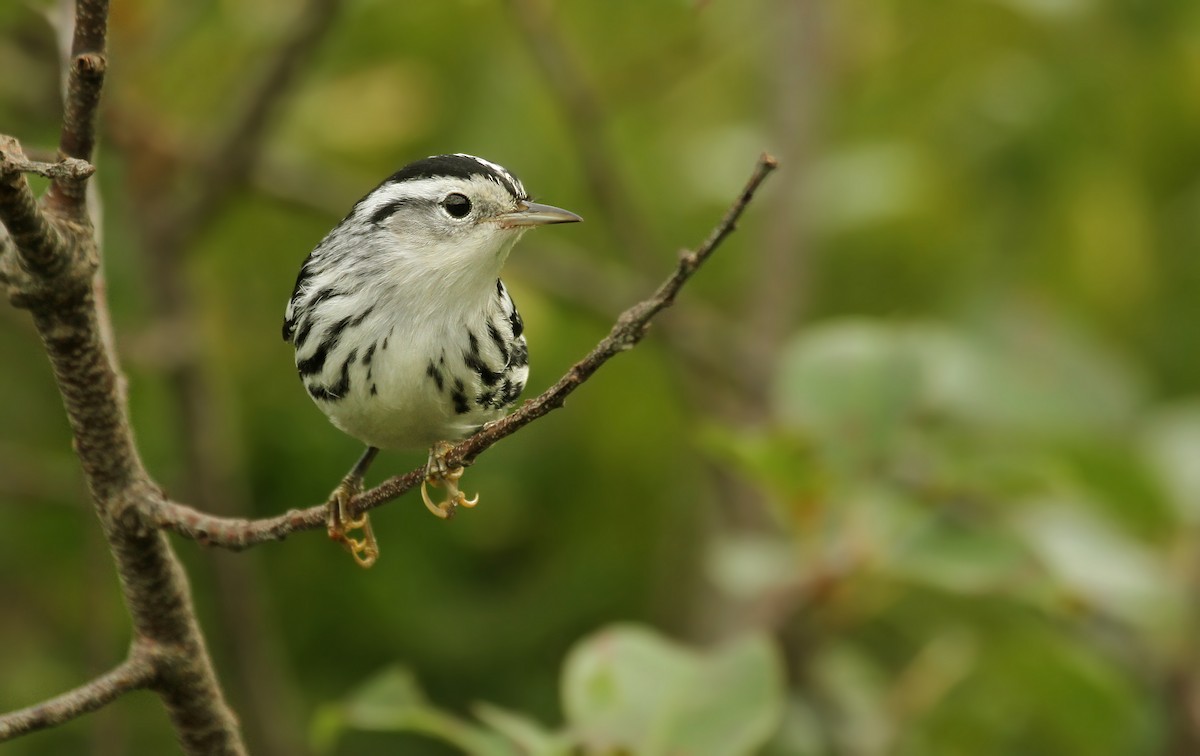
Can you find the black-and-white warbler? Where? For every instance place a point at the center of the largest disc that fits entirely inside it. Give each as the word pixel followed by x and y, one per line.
pixel 404 334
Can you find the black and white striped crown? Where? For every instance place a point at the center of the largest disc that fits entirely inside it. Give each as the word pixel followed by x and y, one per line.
pixel 459 165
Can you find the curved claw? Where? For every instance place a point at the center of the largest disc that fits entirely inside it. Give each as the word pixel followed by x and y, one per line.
pixel 339 524
pixel 364 551
pixel 443 510
pixel 439 475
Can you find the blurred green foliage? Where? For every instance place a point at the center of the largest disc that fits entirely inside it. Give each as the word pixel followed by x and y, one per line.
pixel 625 690
pixel 972 484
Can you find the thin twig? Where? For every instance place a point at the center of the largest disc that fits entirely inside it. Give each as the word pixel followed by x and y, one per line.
pixel 67 168
pixel 85 80
pixel 631 326
pixel 135 673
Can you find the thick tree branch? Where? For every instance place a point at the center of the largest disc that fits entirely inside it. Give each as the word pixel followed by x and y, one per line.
pixel 135 673
pixel 52 273
pixel 631 326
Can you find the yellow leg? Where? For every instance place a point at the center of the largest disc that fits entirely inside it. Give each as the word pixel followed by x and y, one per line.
pixel 439 474
pixel 340 524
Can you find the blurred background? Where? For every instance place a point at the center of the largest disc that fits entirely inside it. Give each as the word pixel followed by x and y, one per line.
pixel 912 468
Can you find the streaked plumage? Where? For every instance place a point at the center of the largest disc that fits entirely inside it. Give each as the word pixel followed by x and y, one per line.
pixel 404 334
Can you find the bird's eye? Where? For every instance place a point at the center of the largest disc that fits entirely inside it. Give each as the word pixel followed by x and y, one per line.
pixel 457 205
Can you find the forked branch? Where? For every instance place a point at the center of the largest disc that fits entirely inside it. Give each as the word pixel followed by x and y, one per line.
pixel 630 327
pixel 48 264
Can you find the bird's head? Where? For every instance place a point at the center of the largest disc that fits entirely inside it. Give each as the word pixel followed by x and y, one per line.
pixel 452 215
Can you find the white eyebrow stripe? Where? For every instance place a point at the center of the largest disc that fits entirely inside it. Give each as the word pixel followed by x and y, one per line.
pixel 514 185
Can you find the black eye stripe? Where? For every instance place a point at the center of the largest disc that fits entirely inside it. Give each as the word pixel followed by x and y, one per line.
pixel 457 205
pixel 387 210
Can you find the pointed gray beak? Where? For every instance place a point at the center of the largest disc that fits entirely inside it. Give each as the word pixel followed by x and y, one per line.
pixel 536 214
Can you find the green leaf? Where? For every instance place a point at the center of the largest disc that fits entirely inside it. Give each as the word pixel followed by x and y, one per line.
pixel 1171 446
pixel 856 686
pixel 847 381
pixel 959 560
pixel 627 689
pixel 1093 562
pixel 531 738
pixel 749 565
pixel 855 381
pixel 392 701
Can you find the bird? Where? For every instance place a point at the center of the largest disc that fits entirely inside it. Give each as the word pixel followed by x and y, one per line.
pixel 404 334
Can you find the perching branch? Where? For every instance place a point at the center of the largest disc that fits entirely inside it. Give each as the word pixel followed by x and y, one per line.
pixel 134 673
pixel 630 328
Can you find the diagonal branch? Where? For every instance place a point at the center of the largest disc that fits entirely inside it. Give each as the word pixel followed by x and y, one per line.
pixel 135 673
pixel 630 328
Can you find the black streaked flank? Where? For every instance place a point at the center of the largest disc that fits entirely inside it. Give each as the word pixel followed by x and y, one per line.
pixel 316 361
pixel 289 325
pixel 339 389
pixel 324 294
pixel 518 325
pixel 520 355
pixel 305 329
pixel 487 375
pixel 510 391
pixel 317 391
pixel 433 372
pixel 498 340
pixel 363 315
pixel 459 397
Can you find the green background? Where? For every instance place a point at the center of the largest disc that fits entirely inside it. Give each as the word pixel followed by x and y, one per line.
pixel 928 420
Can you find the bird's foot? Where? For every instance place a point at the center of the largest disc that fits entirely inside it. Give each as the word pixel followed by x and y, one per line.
pixel 340 525
pixel 438 473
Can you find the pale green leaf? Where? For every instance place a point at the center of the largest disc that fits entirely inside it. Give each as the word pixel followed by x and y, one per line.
pixel 627 689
